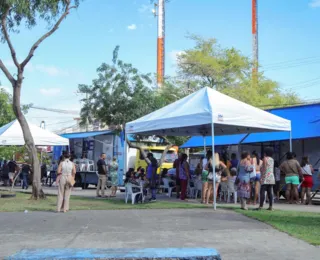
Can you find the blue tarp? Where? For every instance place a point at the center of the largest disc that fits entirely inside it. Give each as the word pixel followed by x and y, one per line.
pixel 85 134
pixel 305 122
pixel 198 141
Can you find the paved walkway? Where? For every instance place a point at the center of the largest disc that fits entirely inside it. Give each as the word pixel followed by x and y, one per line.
pixel 92 193
pixel 234 235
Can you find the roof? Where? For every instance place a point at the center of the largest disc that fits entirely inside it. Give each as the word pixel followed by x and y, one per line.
pixel 305 122
pixel 194 114
pixel 86 134
pixel 11 134
pixel 199 141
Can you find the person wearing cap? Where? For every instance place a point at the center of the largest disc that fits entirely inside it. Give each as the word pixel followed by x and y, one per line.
pixel 152 175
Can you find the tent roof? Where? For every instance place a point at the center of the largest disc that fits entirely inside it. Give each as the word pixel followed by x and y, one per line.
pixel 11 134
pixel 197 141
pixel 86 134
pixel 305 122
pixel 193 115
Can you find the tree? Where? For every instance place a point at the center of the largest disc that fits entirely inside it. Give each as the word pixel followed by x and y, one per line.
pixel 228 71
pixel 14 14
pixel 6 111
pixel 122 94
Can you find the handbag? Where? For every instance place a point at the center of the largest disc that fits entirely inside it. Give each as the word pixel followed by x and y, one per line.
pixel 210 176
pixel 71 181
pixel 253 174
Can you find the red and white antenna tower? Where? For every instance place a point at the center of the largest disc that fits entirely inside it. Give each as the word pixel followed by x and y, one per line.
pixel 160 40
pixel 255 48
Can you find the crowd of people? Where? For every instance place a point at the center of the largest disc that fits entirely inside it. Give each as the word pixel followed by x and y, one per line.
pixel 251 177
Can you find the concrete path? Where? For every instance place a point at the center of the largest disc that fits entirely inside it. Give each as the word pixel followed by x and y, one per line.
pixel 92 193
pixel 233 235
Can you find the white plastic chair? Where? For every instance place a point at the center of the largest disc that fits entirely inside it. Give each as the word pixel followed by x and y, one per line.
pixel 191 190
pixel 198 186
pixel 129 192
pixel 90 165
pixel 166 185
pixel 224 191
pixel 232 191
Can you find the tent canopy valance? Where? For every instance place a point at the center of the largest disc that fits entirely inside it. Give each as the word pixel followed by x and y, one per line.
pixel 11 134
pixel 195 114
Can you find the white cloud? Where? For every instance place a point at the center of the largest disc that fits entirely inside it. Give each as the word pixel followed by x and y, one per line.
pixel 7 89
pixel 47 69
pixel 174 55
pixel 132 27
pixel 143 8
pixel 50 92
pixel 314 3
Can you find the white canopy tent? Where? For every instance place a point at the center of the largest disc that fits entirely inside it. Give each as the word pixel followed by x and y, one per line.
pixel 11 134
pixel 207 112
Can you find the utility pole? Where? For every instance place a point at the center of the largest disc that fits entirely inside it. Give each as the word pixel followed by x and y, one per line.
pixel 255 48
pixel 87 120
pixel 160 40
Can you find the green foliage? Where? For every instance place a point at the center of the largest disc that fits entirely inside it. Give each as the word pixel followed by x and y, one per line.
pixel 210 65
pixel 228 71
pixel 7 152
pixel 302 225
pixel 6 111
pixel 26 12
pixel 120 94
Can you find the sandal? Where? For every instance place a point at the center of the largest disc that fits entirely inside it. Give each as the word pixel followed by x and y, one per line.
pixel 270 209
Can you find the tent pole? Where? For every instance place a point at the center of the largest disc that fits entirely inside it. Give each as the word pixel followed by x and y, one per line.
pixel 290 137
pixel 125 148
pixel 204 146
pixel 214 168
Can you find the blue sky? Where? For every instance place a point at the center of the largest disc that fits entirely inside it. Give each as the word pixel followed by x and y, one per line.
pixel 288 37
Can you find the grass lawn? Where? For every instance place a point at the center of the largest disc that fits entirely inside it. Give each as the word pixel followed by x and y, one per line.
pixel 22 202
pixel 302 225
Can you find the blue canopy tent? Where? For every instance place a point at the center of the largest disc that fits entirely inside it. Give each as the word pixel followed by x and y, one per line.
pixel 305 121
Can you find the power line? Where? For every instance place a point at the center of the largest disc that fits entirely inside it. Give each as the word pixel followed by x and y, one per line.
pixel 291 61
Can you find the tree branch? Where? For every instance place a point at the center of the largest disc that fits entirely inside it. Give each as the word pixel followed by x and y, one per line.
pixel 7 38
pixel 45 36
pixel 164 153
pixel 7 73
pixel 143 153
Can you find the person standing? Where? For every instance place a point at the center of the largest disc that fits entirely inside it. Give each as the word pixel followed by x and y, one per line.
pixel 26 170
pixel 184 175
pixel 67 172
pixel 102 171
pixel 307 171
pixel 292 170
pixel 267 178
pixel 13 170
pixel 113 169
pixel 234 161
pixel 152 175
pixel 257 163
pixel 176 166
pixel 5 173
pixel 276 187
pixel 243 179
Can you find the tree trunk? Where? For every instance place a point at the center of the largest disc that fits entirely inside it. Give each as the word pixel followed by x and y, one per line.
pixel 37 192
pixel 143 153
